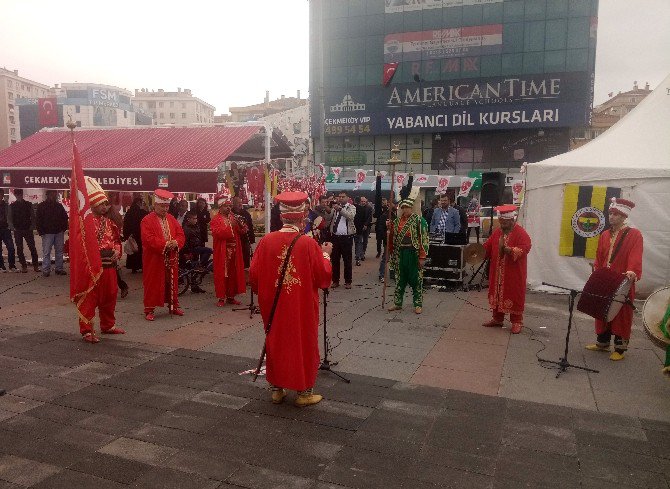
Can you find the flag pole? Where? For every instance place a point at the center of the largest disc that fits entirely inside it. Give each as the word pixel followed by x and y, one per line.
pixel 393 161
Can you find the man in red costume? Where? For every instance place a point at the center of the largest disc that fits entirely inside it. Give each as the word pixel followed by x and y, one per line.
pixel 507 249
pixel 619 248
pixel 162 236
pixel 228 254
pixel 103 295
pixel 292 342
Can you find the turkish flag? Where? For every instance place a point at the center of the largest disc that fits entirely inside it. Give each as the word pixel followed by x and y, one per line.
pixel 47 112
pixel 389 71
pixel 85 263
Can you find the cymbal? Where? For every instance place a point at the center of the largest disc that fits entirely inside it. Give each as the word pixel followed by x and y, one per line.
pixel 474 254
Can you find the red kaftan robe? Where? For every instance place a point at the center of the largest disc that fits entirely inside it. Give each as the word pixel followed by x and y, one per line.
pixel 156 232
pixel 104 293
pixel 507 273
pixel 292 344
pixel 628 258
pixel 228 260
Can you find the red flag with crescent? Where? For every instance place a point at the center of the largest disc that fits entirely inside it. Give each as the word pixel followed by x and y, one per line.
pixel 389 71
pixel 85 262
pixel 47 112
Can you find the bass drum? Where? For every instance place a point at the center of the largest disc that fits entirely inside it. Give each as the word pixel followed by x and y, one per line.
pixel 604 293
pixel 653 311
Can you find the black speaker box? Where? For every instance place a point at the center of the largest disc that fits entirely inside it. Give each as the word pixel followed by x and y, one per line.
pixel 493 186
pixel 445 256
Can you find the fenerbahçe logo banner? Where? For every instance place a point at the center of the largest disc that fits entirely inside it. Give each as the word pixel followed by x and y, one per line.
pixel 584 218
pixel 588 222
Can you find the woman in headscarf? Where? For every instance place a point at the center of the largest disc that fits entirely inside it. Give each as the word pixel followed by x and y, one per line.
pixel 203 218
pixel 131 227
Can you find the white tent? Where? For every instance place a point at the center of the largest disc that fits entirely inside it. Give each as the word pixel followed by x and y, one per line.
pixel 633 155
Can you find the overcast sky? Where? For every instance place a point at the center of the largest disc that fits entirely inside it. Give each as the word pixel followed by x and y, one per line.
pixel 230 52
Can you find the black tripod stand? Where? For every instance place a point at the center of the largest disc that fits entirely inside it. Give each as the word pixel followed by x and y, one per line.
pixel 481 285
pixel 326 364
pixel 563 362
pixel 252 308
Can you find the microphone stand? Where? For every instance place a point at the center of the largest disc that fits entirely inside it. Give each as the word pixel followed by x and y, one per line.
pixel 563 362
pixel 252 308
pixel 326 364
pixel 481 285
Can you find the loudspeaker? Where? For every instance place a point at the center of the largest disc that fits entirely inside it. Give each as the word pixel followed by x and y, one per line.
pixel 445 256
pixel 493 186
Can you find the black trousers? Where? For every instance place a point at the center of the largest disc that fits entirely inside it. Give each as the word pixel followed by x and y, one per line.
pixel 29 236
pixel 342 247
pixel 381 242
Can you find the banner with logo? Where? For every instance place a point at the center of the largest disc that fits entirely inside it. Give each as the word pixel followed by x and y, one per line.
pixel 584 218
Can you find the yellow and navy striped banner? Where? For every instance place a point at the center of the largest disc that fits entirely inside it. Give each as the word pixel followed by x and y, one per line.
pixel 584 218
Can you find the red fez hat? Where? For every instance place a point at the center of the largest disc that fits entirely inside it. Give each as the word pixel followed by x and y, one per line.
pixel 162 196
pixel 507 211
pixel 292 205
pixel 621 206
pixel 222 199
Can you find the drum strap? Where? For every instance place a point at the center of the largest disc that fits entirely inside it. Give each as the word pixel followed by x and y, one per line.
pixel 618 245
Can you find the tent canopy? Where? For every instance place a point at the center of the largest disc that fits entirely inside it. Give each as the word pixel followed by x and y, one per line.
pixel 183 159
pixel 633 156
pixel 637 146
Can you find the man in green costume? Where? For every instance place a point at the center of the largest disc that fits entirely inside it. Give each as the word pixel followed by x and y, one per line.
pixel 408 245
pixel 665 329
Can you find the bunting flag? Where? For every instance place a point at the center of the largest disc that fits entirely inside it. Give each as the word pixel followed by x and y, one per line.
pixel 85 263
pixel 389 71
pixel 442 185
pixel 518 191
pixel 584 218
pixel 466 186
pixel 47 112
pixel 360 178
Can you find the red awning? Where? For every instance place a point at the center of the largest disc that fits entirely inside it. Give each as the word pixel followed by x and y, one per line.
pixel 182 159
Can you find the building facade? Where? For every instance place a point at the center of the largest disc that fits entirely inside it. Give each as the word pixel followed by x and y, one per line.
pixel 460 85
pixel 609 113
pixel 174 108
pixel 88 104
pixel 267 108
pixel 294 124
pixel 13 88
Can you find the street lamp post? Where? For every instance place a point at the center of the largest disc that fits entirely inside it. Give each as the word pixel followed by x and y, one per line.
pixel 393 161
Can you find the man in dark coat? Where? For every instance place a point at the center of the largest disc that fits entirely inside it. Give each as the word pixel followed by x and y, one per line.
pixel 363 223
pixel 52 222
pixel 21 212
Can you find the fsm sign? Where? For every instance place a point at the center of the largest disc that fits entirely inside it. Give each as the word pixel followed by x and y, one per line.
pixel 103 97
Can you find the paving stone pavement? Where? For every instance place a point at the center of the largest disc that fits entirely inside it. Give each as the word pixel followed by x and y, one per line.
pixel 188 419
pixel 435 400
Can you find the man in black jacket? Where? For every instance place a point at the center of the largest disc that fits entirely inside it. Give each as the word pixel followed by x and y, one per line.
pixel 363 222
pixel 22 220
pixel 51 225
pixel 6 236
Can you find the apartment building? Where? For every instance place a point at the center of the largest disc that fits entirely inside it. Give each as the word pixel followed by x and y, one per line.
pixel 12 88
pixel 174 108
